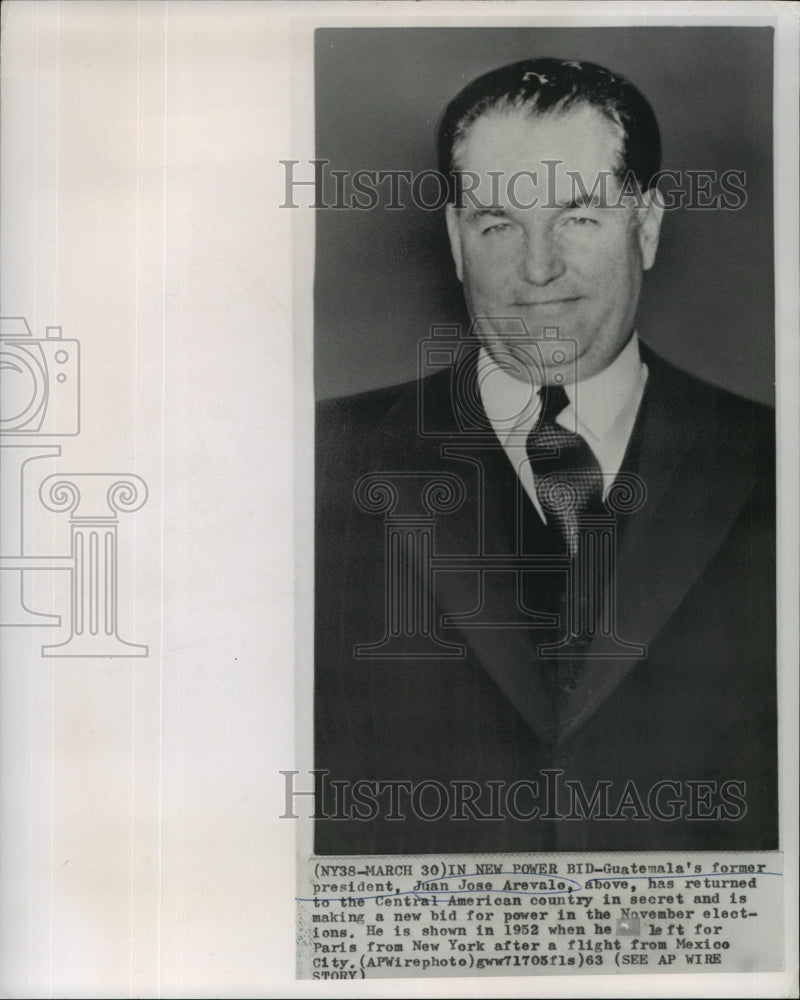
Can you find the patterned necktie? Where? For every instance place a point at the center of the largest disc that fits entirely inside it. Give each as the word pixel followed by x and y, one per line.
pixel 567 476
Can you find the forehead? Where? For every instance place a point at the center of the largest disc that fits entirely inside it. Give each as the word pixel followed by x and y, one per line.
pixel 552 145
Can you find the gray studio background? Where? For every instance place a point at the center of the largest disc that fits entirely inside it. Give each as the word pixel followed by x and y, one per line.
pixel 383 277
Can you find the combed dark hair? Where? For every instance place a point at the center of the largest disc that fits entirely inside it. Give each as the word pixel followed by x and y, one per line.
pixel 541 86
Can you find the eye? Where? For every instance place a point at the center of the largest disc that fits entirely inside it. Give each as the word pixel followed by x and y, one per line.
pixel 500 226
pixel 581 221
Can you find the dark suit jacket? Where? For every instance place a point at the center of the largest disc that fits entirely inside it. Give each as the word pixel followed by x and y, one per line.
pixel 691 723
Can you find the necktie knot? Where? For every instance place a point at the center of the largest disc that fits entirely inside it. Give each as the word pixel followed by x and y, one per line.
pixel 554 400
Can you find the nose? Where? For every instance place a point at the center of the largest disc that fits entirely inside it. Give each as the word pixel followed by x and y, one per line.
pixel 542 261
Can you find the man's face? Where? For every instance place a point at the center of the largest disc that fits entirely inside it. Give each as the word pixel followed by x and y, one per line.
pixel 568 261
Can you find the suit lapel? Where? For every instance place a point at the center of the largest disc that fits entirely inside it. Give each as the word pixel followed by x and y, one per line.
pixel 487 525
pixel 667 544
pixel 505 651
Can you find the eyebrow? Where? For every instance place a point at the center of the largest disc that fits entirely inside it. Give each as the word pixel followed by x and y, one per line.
pixel 576 203
pixel 580 202
pixel 491 213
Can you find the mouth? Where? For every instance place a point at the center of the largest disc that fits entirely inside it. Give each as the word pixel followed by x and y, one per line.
pixel 547 303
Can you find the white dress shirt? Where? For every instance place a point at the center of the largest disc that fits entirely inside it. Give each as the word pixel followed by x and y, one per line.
pixel 602 409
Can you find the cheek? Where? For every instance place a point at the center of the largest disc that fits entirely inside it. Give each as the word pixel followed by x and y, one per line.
pixel 489 270
pixel 609 268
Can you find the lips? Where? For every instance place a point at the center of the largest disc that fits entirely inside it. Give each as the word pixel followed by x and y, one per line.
pixel 546 303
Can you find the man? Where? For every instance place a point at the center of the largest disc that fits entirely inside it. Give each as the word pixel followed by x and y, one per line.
pixel 545 609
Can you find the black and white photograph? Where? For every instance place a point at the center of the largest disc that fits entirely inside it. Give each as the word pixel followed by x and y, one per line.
pixel 545 539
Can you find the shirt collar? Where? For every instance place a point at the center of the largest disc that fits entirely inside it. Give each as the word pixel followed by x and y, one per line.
pixel 512 405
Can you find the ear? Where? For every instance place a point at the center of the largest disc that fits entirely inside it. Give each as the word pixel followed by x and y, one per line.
pixel 454 232
pixel 650 215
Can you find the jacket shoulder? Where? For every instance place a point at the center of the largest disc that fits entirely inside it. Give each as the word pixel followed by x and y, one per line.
pixel 363 410
pixel 722 411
